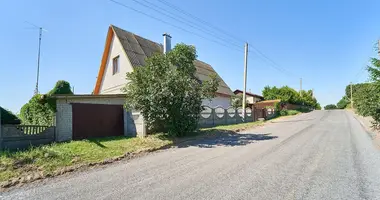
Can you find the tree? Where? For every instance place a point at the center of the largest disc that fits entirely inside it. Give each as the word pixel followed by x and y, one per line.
pixel 330 107
pixel 41 108
pixel 237 101
pixel 369 100
pixel 168 93
pixel 342 104
pixel 289 95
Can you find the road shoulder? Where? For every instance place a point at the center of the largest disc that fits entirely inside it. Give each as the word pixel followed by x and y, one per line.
pixel 366 123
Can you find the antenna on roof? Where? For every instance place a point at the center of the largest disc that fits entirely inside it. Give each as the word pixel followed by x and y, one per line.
pixel 39 52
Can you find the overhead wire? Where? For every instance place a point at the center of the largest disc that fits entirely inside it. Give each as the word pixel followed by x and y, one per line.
pixel 173 25
pixel 226 43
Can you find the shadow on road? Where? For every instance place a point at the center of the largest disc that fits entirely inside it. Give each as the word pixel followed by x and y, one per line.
pixel 227 139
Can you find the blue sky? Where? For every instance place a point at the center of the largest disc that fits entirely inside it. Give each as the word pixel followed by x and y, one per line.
pixel 327 43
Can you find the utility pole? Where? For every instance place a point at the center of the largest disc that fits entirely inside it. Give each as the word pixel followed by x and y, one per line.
pixel 300 87
pixel 245 77
pixel 378 47
pixel 39 53
pixel 38 59
pixel 352 100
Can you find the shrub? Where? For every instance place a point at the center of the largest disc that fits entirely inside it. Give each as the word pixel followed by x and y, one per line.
pixel 167 92
pixel 293 112
pixel 40 109
pixel 7 117
pixel 330 107
pixel 289 112
pixel 283 112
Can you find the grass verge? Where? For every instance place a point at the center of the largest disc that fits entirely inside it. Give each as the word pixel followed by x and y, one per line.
pixel 58 158
pixel 48 159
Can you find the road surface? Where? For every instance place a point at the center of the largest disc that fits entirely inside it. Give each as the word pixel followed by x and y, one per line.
pixel 318 155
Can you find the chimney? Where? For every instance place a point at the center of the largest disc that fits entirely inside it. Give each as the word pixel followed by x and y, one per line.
pixel 167 42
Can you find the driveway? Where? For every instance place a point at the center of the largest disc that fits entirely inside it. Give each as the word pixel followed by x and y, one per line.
pixel 318 155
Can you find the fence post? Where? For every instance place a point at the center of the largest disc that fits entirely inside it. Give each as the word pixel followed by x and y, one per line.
pixel 237 116
pixel 225 116
pixel 213 116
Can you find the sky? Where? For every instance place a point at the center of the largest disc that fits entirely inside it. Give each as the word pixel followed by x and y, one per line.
pixel 326 43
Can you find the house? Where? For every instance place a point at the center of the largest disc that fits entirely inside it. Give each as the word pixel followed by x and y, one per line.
pixel 251 98
pixel 124 51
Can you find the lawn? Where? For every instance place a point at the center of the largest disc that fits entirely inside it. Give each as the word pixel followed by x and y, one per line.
pixel 47 160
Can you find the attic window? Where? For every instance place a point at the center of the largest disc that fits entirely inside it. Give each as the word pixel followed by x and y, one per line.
pixel 115 65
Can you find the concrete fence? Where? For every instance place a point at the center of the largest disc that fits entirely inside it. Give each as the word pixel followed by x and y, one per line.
pixel 14 137
pixel 219 116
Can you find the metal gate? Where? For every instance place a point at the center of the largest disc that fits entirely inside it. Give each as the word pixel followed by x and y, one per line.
pixel 259 113
pixel 97 120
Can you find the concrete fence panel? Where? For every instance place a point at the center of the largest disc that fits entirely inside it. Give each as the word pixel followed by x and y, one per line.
pixel 23 136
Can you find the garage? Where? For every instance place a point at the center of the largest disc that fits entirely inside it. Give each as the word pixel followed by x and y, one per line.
pixel 97 120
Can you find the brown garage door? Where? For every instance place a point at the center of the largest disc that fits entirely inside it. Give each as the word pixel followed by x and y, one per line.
pixel 97 120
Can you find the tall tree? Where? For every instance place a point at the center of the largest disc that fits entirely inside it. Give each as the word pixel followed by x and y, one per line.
pixel 168 93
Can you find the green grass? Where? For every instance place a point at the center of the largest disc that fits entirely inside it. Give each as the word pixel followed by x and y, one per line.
pixel 235 127
pixel 289 112
pixel 50 158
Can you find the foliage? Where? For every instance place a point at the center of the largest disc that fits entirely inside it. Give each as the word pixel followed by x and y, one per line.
pixel 40 109
pixel 318 107
pixel 289 95
pixel 289 112
pixel 342 104
pixel 237 101
pixel 330 107
pixel 167 92
pixel 366 96
pixel 7 117
pixel 61 87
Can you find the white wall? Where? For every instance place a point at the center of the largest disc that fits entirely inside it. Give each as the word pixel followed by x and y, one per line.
pixel 133 122
pixel 111 84
pixel 223 102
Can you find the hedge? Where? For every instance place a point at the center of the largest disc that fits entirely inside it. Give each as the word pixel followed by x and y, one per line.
pixel 7 117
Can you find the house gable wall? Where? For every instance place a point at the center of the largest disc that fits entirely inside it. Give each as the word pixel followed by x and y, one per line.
pixel 113 83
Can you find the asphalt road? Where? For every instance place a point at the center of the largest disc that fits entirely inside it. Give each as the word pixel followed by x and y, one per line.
pixel 319 155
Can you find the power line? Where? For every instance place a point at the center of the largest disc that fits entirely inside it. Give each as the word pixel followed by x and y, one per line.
pixel 272 63
pixel 233 46
pixel 173 25
pixel 200 20
pixel 186 21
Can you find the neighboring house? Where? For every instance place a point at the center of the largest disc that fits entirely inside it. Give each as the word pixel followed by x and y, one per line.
pixel 124 51
pixel 251 98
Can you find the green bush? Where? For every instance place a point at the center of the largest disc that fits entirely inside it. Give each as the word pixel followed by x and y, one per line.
pixel 290 95
pixel 293 112
pixel 289 112
pixel 283 112
pixel 40 109
pixel 7 117
pixel 167 91
pixel 330 107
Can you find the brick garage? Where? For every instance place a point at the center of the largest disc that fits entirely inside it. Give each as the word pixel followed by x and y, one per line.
pixel 133 123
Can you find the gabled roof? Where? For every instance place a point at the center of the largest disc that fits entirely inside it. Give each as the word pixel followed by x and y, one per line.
pixel 138 49
pixel 248 93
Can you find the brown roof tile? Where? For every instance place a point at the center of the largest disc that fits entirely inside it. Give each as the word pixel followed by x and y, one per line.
pixel 138 49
